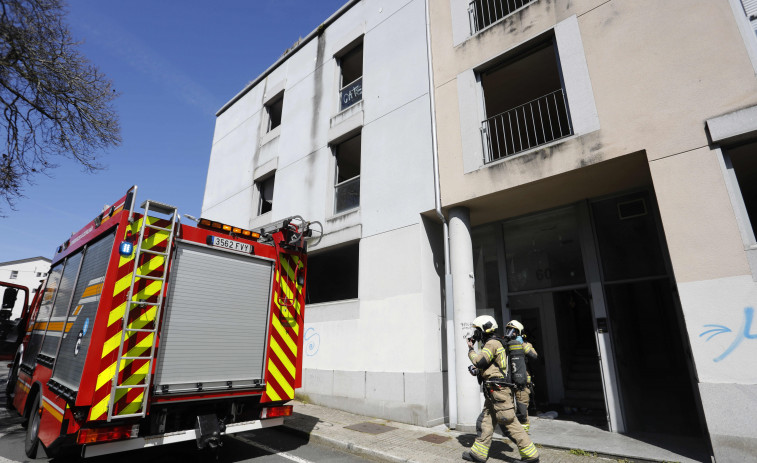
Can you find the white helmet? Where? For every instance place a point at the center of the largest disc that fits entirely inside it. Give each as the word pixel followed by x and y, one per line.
pixel 486 323
pixel 514 325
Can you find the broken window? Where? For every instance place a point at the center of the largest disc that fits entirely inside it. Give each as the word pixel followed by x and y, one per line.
pixel 273 108
pixel 347 178
pixel 351 66
pixel 265 192
pixel 525 103
pixel 333 275
pixel 484 13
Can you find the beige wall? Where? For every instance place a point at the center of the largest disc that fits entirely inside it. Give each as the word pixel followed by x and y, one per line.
pixel 658 70
pixel 700 226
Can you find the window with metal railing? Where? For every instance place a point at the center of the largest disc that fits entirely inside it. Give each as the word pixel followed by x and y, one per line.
pixel 351 66
pixel 484 13
pixel 347 178
pixel 535 123
pixel 525 103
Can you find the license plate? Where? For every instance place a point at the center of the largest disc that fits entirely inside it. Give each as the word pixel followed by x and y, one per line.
pixel 230 244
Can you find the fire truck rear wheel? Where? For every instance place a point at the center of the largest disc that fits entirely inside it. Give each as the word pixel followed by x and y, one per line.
pixel 32 430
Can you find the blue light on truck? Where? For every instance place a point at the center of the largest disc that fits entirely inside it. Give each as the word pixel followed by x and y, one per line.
pixel 126 248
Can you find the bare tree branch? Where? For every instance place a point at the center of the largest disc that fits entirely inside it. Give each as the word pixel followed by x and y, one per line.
pixel 55 103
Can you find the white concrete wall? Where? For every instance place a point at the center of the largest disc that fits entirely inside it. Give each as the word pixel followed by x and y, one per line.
pixel 383 349
pixel 27 276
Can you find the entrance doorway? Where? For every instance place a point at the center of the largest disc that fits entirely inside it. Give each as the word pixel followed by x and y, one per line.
pixel 567 377
pixel 593 287
pixel 654 372
pixel 548 293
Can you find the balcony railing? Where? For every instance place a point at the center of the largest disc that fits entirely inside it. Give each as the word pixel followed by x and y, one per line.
pixel 351 94
pixel 527 126
pixel 347 195
pixel 484 13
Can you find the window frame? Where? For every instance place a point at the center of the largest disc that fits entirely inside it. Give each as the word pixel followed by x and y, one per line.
pixel 726 132
pixel 746 29
pixel 488 131
pixel 343 250
pixel 259 188
pixel 14 275
pixel 354 179
pixel 354 84
pixel 269 106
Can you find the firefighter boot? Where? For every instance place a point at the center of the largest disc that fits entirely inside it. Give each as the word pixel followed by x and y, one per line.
pixel 470 456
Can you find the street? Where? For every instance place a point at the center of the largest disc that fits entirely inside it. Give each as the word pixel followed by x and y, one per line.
pixel 268 445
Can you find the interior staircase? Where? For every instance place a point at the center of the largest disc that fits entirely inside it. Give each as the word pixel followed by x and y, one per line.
pixel 583 389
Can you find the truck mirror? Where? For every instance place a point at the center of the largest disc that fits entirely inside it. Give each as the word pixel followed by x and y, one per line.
pixel 9 298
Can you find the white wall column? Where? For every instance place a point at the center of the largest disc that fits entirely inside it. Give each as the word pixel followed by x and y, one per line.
pixel 461 257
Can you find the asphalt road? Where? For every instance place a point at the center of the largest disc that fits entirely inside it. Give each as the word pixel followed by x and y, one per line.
pixel 273 445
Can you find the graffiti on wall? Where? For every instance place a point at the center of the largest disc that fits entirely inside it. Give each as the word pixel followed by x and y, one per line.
pixel 744 333
pixel 312 342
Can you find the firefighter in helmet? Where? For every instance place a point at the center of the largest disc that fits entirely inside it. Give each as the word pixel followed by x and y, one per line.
pixel 514 330
pixel 490 365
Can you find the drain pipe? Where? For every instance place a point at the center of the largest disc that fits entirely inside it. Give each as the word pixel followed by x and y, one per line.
pixel 449 313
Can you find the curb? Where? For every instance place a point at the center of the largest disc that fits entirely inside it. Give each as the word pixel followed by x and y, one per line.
pixel 350 447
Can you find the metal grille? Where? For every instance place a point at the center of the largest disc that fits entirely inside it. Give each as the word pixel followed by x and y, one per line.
pixel 529 125
pixel 484 13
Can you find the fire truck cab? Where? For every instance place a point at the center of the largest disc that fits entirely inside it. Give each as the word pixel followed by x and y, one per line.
pixel 149 331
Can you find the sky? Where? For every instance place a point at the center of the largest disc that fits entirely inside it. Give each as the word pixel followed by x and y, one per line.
pixel 174 63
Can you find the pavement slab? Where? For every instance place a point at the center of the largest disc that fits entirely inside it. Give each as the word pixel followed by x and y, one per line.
pixel 558 441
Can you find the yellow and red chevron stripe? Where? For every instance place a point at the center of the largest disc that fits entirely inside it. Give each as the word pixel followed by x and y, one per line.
pixel 136 344
pixel 286 324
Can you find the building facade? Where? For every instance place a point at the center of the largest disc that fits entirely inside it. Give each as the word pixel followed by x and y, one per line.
pixel 339 131
pixel 26 272
pixel 597 163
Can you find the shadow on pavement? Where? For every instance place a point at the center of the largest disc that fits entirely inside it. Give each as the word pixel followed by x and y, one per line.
pixel 497 451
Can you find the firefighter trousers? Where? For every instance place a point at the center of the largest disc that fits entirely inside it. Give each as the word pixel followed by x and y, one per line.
pixel 500 409
pixel 522 398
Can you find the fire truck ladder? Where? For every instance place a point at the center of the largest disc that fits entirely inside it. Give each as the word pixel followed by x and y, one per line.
pixel 149 354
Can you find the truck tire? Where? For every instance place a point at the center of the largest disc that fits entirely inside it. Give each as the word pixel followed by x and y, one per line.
pixel 32 430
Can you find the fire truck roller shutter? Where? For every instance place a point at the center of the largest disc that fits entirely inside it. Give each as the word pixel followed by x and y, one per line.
pixel 81 316
pixel 215 320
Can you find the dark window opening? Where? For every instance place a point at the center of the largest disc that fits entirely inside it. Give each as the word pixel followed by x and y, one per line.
pixel 265 190
pixel 347 184
pixel 274 108
pixel 744 162
pixel 525 103
pixel 351 65
pixel 333 275
pixel 14 274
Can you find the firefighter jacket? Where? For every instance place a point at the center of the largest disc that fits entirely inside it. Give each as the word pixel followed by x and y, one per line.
pixel 491 361
pixel 531 354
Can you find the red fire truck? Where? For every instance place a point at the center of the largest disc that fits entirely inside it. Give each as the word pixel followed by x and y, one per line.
pixel 149 331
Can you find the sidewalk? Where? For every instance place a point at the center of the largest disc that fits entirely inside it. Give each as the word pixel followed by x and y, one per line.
pixel 558 441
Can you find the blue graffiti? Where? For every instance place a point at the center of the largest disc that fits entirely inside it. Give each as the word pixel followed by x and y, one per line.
pixel 313 342
pixel 745 333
